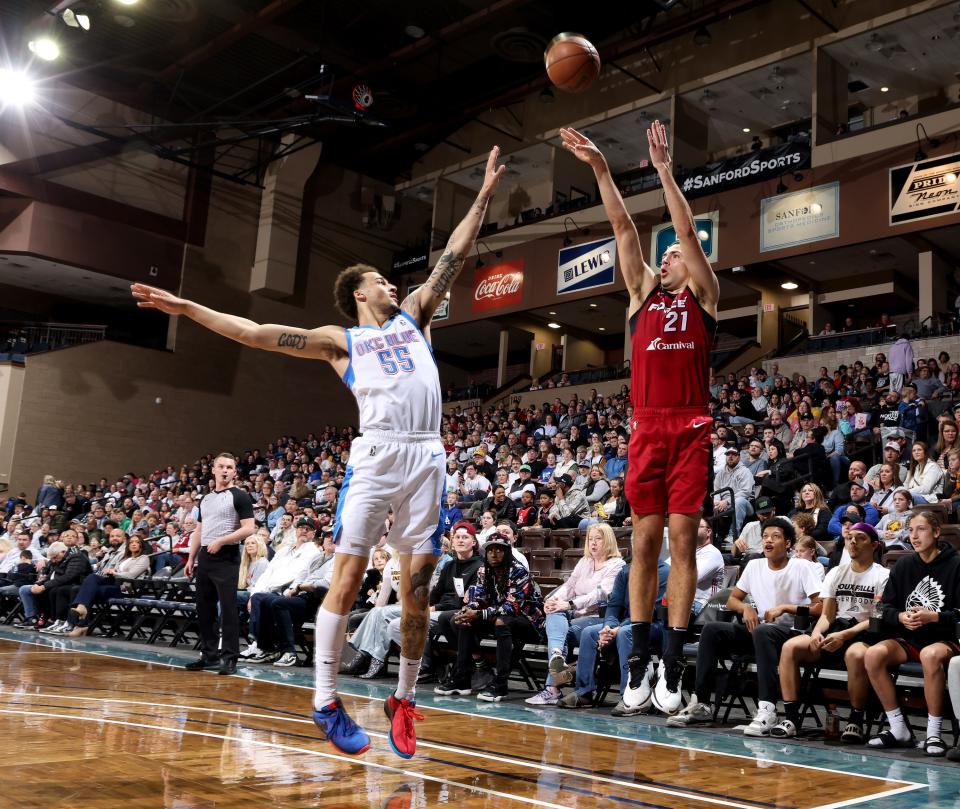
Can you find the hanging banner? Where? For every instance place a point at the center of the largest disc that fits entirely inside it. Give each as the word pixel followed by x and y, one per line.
pixel 925 189
pixel 799 217
pixel 443 310
pixel 662 236
pixel 498 286
pixel 587 265
pixel 765 164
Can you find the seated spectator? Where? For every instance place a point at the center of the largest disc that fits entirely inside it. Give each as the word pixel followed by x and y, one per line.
pixel 950 496
pixel 924 475
pixel 778 585
pixel 893 526
pixel 734 475
pixel 253 562
pixel 280 618
pixel 575 605
pixel 613 511
pixel 947 440
pixel 859 496
pixel 527 510
pixel 749 544
pixel 569 506
pixel 543 510
pixel 503 507
pixel 12 559
pixel 598 487
pixel 841 492
pixel 372 638
pixel 24 572
pixel 813 503
pixel 100 587
pixel 887 482
pixel 919 615
pixel 285 567
pixel 473 486
pixel 504 602
pixel 847 596
pixel 447 595
pixel 488 526
pixel 615 629
pixel 806 547
pixel 928 385
pixel 369 587
pixel 617 466
pixel 450 513
pixel 710 573
pixel 754 457
pixel 811 458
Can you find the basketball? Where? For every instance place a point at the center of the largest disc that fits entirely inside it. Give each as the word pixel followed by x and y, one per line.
pixel 572 62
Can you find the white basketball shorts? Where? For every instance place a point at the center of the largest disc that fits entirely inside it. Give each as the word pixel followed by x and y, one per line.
pixel 403 471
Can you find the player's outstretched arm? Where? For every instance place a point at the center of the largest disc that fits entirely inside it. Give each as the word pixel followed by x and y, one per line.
pixel 422 303
pixel 703 280
pixel 324 343
pixel 637 274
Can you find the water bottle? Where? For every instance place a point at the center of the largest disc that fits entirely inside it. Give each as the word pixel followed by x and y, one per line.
pixel 831 726
pixel 876 615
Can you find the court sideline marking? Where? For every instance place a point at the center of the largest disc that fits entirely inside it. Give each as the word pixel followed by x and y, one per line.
pixel 467 753
pixel 910 785
pixel 291 749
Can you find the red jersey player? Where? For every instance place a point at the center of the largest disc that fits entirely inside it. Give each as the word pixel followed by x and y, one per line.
pixel 672 323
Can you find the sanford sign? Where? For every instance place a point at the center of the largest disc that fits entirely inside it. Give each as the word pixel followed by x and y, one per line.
pixel 498 286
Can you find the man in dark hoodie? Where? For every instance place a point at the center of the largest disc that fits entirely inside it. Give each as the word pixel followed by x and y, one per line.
pixel 919 618
pixel 505 602
pixel 51 594
pixel 447 596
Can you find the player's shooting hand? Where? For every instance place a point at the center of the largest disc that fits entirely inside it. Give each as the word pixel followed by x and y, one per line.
pixel 659 146
pixel 581 147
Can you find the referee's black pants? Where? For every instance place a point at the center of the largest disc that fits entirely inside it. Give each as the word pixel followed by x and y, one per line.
pixel 216 581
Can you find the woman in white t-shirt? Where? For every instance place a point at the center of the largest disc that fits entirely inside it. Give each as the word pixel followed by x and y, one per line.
pixel 925 476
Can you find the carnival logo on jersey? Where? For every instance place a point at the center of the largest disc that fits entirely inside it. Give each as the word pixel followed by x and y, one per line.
pixel 657 344
pixel 498 286
pixel 587 265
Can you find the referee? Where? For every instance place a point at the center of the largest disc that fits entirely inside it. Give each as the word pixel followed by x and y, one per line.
pixel 226 520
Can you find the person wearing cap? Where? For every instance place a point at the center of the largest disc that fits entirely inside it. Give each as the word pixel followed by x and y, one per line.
pixel 734 475
pixel 287 564
pixel 504 602
pixel 749 545
pixel 848 594
pixel 524 477
pixel 778 584
pixel 860 492
pixel 919 615
pixel 569 505
pixel 447 594
pixel 891 455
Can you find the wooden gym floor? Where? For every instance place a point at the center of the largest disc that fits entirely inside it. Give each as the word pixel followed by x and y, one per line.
pixel 84 725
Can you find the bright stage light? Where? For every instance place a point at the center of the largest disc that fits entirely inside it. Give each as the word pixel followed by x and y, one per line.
pixel 16 89
pixel 45 48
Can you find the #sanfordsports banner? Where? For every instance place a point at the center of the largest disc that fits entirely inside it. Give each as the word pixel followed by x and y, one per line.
pixel 498 286
pixel 765 164
pixel 443 310
pixel 587 265
pixel 925 189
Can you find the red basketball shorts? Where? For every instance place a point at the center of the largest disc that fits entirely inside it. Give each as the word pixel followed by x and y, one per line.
pixel 669 460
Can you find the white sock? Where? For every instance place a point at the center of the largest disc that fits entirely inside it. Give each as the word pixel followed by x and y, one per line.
pixel 407 680
pixel 898 727
pixel 328 634
pixel 769 707
pixel 933 725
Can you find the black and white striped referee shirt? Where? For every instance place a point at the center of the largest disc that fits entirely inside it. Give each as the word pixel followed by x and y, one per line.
pixel 221 512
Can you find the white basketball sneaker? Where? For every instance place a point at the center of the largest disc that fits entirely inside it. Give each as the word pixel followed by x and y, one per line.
pixel 638 692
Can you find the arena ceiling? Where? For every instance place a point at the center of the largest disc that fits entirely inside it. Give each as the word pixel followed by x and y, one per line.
pixel 431 66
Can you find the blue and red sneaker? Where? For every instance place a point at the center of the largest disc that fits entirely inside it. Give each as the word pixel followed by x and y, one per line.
pixel 340 730
pixel 402 736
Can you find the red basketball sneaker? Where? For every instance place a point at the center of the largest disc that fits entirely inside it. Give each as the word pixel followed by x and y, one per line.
pixel 402 737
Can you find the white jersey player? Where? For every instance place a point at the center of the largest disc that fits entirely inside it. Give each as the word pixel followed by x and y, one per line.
pixel 398 459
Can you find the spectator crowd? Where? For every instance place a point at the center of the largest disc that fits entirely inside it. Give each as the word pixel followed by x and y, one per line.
pixel 813 482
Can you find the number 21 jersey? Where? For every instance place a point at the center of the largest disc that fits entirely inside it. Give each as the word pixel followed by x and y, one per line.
pixel 394 377
pixel 672 336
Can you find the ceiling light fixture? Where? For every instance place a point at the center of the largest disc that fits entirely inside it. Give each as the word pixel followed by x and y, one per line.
pixel 553 325
pixel 128 2
pixel 884 89
pixel 567 241
pixel 788 285
pixel 16 89
pixel 414 31
pixel 72 19
pixel 45 48
pixel 601 328
pixel 551 313
pixel 593 306
pixel 746 129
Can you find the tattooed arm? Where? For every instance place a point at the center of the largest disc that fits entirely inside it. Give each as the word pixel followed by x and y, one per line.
pixel 325 343
pixel 422 303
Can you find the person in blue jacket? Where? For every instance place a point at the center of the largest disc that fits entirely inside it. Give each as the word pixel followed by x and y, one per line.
pixel 614 629
pixel 859 496
pixel 450 513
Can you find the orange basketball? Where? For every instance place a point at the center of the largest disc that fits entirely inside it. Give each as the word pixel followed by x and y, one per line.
pixel 572 62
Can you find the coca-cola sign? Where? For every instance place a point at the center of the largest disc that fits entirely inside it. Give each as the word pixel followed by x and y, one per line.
pixel 498 286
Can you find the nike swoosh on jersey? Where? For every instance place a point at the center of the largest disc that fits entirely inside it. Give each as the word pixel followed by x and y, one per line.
pixel 698 424
pixel 436 454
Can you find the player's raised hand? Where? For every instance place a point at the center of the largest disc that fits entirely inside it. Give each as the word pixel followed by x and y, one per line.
pixel 659 146
pixel 493 172
pixel 152 298
pixel 580 146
